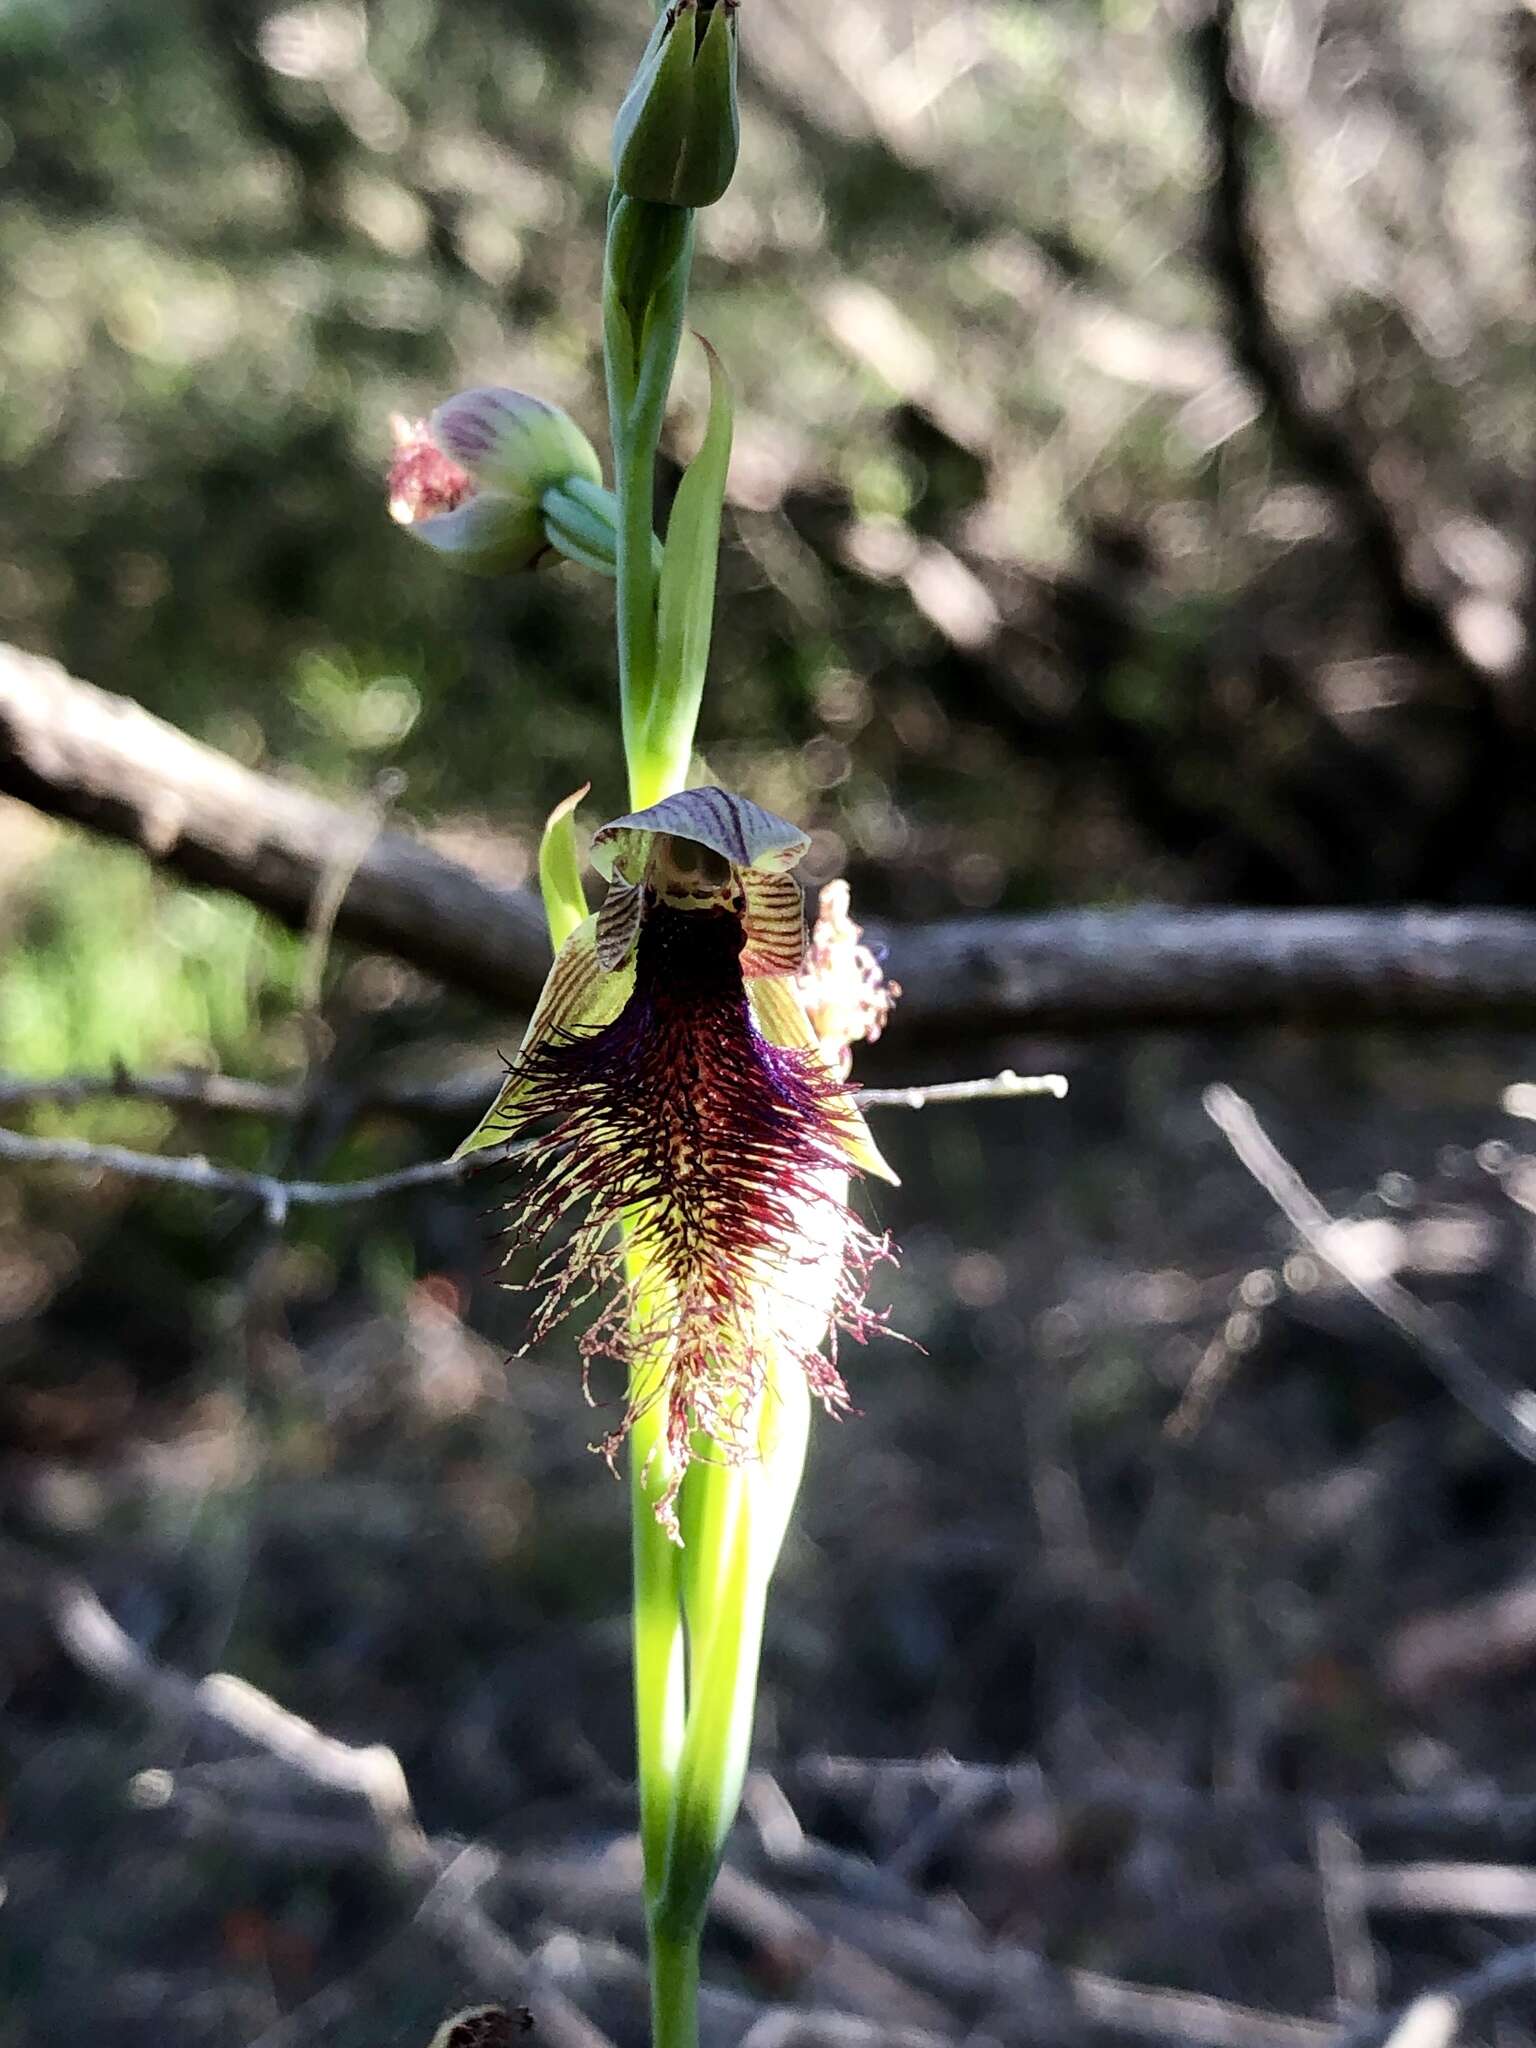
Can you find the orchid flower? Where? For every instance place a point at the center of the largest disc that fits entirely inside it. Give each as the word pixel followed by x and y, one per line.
pixel 689 1132
pixel 682 1093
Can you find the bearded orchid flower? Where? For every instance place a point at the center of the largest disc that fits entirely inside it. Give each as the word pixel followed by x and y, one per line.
pixel 496 480
pixel 683 1095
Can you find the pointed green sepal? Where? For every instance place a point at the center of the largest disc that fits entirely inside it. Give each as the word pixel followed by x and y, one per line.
pixel 565 906
pixel 578 995
pixel 780 1016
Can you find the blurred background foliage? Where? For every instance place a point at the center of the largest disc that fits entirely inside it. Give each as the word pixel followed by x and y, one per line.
pixel 1131 499
pixel 1100 529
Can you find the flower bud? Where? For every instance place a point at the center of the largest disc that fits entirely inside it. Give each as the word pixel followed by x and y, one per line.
pixel 512 443
pixel 677 133
pixel 469 481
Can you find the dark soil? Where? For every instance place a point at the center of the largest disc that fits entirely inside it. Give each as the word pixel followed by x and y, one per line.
pixel 1055 1702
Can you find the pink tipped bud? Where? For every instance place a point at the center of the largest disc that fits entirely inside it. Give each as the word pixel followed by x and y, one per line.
pixel 422 480
pixel 469 481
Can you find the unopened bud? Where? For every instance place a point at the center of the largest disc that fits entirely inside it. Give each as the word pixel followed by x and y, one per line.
pixel 677 133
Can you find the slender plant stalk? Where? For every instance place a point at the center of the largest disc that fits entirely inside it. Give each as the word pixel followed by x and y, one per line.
pixel 722 1696
pixel 661 1697
pixel 645 294
pixel 738 1526
pixel 714 1344
pixel 674 1990
pixel 641 335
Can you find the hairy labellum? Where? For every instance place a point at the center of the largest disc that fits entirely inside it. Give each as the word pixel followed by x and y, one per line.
pixel 725 1157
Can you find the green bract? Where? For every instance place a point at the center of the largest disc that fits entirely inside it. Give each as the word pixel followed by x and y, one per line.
pixel 677 133
pixel 685 598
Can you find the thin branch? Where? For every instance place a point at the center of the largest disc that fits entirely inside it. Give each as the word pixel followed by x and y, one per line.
pixel 1085 971
pixel 1476 1640
pixel 226 1093
pixel 463 1094
pixel 75 752
pixel 1344 1900
pixel 1435 2020
pixel 1000 1087
pixel 1483 1891
pixel 277 1196
pixel 460 1096
pixel 1509 1414
pixel 1191 2018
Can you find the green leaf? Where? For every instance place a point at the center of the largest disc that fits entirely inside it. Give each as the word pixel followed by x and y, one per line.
pixel 733 1528
pixel 686 598
pixel 565 905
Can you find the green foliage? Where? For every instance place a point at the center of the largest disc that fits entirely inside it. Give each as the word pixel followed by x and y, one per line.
pixel 968 298
pixel 114 966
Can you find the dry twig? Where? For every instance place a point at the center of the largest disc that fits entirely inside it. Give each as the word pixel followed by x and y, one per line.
pixel 278 1196
pixel 461 1096
pixel 77 752
pixel 439 1893
pixel 1341 1880
pixel 1436 2019
pixel 1510 1415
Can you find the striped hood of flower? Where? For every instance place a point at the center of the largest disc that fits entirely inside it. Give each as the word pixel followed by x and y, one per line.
pixel 672 1085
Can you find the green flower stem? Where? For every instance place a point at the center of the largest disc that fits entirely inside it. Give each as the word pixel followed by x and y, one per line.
pixel 685 601
pixel 698 1611
pixel 660 1672
pixel 581 522
pixel 674 1991
pixel 645 293
pixel 722 1698
pixel 645 289
pixel 706 1515
pixel 661 1695
pixel 635 476
pixel 577 529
